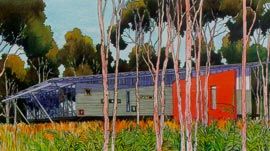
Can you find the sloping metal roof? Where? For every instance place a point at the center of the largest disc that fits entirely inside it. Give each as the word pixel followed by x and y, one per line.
pixel 126 80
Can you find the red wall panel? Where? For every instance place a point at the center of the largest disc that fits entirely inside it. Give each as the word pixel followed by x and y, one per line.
pixel 225 83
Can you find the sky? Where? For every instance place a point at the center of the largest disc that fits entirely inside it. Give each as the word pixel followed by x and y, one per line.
pixel 64 15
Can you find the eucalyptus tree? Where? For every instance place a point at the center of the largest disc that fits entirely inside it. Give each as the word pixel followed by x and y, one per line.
pixel 15 16
pixel 104 55
pixel 37 42
pixel 78 53
pixel 243 94
pixel 14 75
pixel 117 11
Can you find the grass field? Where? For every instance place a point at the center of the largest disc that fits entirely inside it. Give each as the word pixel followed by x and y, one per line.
pixel 88 136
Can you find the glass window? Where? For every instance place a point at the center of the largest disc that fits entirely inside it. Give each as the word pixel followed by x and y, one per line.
pixel 214 97
pixel 128 101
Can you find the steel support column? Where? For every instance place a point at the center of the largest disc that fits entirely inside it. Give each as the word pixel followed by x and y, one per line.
pixel 36 99
pixel 15 112
pixel 22 114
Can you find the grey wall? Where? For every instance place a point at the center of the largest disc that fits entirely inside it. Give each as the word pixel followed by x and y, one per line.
pixel 248 100
pixel 92 105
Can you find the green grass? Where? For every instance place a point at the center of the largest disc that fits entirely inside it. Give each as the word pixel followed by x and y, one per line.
pixel 211 138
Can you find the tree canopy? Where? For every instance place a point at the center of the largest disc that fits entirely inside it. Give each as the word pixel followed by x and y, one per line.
pixel 15 16
pixel 16 66
pixel 232 51
pixel 78 52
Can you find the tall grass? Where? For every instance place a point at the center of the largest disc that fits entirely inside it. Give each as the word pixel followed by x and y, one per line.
pixel 82 136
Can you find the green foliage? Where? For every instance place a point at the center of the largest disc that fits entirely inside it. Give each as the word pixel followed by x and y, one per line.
pixel 53 54
pixel 14 75
pixel 262 19
pixel 69 72
pixel 171 139
pixel 97 66
pixel 134 10
pixel 215 57
pixel 16 65
pixel 136 140
pixel 123 66
pixel 22 24
pixel 16 15
pixel 84 69
pixel 143 52
pixel 258 137
pixel 232 51
pixel 37 39
pixel 214 139
pixel 78 51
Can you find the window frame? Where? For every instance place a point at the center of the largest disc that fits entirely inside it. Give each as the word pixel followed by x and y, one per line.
pixel 213 90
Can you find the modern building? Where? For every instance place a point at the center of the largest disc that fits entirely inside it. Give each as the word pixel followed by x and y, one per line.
pixel 82 96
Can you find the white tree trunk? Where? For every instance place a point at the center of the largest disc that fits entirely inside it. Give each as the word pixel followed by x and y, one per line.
pixel 243 94
pixel 7 102
pixel 137 87
pixel 115 105
pixel 198 70
pixel 103 50
pixel 175 56
pixel 156 79
pixel 188 116
pixel 265 92
pixel 165 63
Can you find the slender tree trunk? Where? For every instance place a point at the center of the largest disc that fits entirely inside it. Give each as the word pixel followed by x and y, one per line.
pixel 209 47
pixel 206 97
pixel 156 110
pixel 43 69
pixel 104 77
pixel 15 112
pixel 201 100
pixel 164 67
pixel 137 87
pixel 188 116
pixel 243 96
pixel 6 59
pixel 139 42
pixel 7 112
pixel 175 56
pixel 137 47
pixel 4 66
pixel 7 102
pixel 257 75
pixel 264 74
pixel 156 79
pixel 265 92
pixel 115 105
pixel 198 70
pixel 162 100
pixel 39 71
